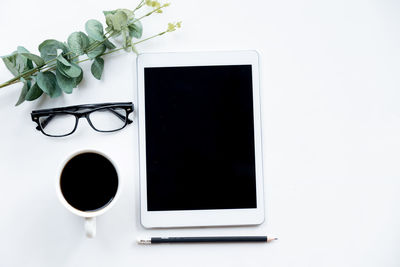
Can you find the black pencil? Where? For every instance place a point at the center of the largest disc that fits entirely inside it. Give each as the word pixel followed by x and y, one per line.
pixel 205 239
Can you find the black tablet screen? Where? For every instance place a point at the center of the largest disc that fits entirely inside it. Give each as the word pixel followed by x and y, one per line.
pixel 200 138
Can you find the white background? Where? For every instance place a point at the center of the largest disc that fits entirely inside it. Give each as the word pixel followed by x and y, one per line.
pixel 330 87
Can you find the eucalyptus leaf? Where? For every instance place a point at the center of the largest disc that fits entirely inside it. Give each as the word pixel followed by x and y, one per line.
pixel 97 51
pixel 21 63
pixel 109 22
pixel 78 79
pixel 94 29
pixel 97 67
pixel 22 96
pixel 38 60
pixel 21 49
pixel 109 45
pixel 29 65
pixel 48 83
pixel 33 93
pixel 58 91
pixel 135 29
pixel 48 49
pixel 69 69
pixel 65 83
pixel 112 12
pixel 10 63
pixel 119 20
pixel 64 61
pixel 129 13
pixel 78 42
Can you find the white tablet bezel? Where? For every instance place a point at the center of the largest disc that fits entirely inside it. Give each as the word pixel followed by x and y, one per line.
pixel 218 217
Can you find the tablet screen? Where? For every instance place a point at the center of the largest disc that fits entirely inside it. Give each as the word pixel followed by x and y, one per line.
pixel 200 151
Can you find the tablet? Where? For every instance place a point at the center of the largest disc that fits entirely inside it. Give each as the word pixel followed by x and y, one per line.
pixel 200 139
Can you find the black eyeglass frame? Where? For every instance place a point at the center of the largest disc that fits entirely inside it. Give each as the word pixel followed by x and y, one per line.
pixel 74 110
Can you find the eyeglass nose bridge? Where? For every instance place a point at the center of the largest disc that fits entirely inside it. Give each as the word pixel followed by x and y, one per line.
pixel 78 116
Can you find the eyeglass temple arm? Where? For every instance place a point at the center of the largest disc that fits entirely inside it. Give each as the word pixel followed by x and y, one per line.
pixel 77 107
pixel 122 117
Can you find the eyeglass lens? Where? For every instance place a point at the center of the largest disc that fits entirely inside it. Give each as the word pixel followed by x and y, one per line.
pixel 108 119
pixel 57 125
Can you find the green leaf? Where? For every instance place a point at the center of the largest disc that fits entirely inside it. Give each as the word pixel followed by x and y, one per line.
pixel 22 96
pixel 94 29
pixel 78 79
pixel 97 67
pixel 58 91
pixel 109 22
pixel 78 42
pixel 135 29
pixel 112 12
pixel 21 63
pixel 38 60
pixel 129 13
pixel 119 20
pixel 29 65
pixel 33 93
pixel 21 49
pixel 109 45
pixel 48 49
pixel 48 83
pixel 10 63
pixel 65 83
pixel 67 68
pixel 97 51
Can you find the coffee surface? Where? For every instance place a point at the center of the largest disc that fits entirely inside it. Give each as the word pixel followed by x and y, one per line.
pixel 89 182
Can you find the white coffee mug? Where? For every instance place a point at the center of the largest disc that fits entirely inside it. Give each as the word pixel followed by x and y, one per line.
pixel 89 216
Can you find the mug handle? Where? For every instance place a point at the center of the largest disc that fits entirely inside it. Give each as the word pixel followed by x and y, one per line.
pixel 90 227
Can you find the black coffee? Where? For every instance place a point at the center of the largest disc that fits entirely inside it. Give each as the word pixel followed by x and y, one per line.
pixel 89 182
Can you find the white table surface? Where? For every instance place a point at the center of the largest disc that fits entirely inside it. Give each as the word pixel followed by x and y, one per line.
pixel 330 86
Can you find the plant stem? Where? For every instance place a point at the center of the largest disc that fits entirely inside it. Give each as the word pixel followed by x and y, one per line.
pixel 139 6
pixel 148 38
pixel 133 44
pixel 151 12
pixel 97 43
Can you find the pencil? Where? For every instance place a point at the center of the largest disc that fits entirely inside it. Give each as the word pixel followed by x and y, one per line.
pixel 205 239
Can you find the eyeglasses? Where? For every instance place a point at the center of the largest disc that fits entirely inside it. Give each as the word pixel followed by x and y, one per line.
pixel 63 121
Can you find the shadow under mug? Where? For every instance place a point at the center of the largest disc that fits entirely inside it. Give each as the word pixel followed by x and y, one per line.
pixel 88 185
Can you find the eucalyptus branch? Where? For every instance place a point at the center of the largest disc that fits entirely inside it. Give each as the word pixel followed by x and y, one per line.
pixel 57 69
